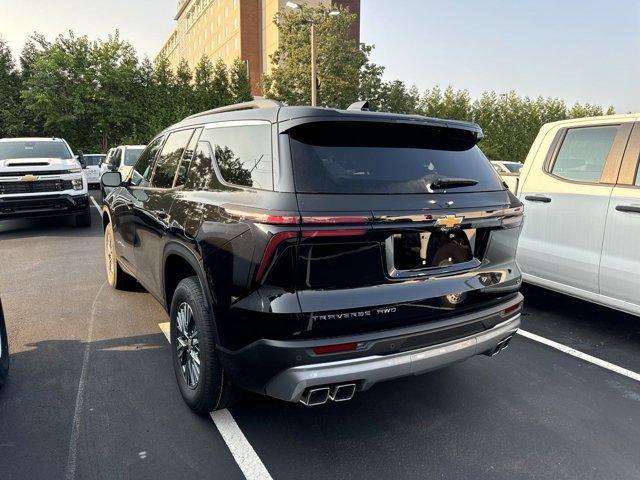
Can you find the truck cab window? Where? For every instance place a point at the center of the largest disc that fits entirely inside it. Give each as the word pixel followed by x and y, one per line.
pixel 584 153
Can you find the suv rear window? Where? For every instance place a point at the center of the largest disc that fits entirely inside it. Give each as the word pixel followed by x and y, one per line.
pixel 385 158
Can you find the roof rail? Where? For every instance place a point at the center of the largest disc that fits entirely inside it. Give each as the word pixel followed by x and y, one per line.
pixel 257 102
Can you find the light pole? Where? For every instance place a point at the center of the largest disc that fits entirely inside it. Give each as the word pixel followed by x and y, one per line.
pixel 314 53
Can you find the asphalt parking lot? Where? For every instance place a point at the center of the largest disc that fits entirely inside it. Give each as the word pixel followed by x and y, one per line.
pixel 92 394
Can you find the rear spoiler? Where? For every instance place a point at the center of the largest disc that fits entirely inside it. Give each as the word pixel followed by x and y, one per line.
pixel 457 135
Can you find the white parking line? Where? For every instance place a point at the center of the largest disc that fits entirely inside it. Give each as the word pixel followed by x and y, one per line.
pixel 70 470
pixel 242 451
pixel 95 204
pixel 165 329
pixel 582 356
pixel 246 457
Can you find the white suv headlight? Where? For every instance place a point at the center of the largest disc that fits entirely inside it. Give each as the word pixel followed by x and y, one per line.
pixel 77 183
pixel 75 170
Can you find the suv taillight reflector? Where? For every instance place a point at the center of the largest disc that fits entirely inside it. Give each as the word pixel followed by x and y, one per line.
pixel 342 347
pixel 353 232
pixel 512 309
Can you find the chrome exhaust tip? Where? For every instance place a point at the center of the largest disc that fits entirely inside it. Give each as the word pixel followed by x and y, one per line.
pixel 315 396
pixel 499 347
pixel 343 393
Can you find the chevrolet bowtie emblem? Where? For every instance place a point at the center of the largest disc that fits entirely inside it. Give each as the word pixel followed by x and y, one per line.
pixel 449 221
pixel 29 178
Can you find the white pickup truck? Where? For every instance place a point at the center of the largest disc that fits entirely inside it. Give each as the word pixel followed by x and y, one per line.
pixel 40 177
pixel 580 186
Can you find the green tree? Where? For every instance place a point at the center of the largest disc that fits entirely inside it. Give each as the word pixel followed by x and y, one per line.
pixel 588 110
pixel 220 86
pixel 341 62
pixel 203 78
pixel 59 90
pixel 240 83
pixel 143 105
pixel 164 104
pixel 395 97
pixel 114 64
pixel 184 92
pixel 370 81
pixel 10 86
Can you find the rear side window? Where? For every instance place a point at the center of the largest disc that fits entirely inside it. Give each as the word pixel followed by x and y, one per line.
pixel 141 173
pixel 169 159
pixel 243 154
pixel 385 158
pixel 201 172
pixel 583 153
pixel 185 163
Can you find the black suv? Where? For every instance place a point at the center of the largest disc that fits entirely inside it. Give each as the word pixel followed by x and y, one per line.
pixel 308 253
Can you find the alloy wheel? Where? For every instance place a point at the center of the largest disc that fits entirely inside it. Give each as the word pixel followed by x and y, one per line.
pixel 188 345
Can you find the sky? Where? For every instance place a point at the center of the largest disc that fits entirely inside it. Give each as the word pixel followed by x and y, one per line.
pixel 577 50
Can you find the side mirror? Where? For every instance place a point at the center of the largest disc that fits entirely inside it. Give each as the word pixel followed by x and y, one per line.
pixel 80 156
pixel 111 179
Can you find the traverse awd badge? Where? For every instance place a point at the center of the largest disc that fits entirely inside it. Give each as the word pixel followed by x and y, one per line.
pixel 29 178
pixel 449 221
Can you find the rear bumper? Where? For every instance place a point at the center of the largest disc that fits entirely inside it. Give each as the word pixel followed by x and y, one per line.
pixel 42 205
pixel 284 369
pixel 291 384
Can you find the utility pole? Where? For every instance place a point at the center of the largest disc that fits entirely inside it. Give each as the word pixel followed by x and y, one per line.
pixel 314 52
pixel 314 75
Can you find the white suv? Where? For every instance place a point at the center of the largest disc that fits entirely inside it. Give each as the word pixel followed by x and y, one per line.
pixel 40 177
pixel 121 159
pixel 91 167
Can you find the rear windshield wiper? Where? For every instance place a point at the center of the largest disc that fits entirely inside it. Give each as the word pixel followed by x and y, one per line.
pixel 441 183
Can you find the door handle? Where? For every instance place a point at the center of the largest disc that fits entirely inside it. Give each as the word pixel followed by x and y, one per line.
pixel 538 198
pixel 628 209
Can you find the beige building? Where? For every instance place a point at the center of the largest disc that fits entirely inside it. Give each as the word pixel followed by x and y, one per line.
pixel 231 29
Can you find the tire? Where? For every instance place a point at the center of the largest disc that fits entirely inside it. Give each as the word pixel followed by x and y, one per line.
pixel 211 388
pixel 84 219
pixel 4 350
pixel 450 254
pixel 116 277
